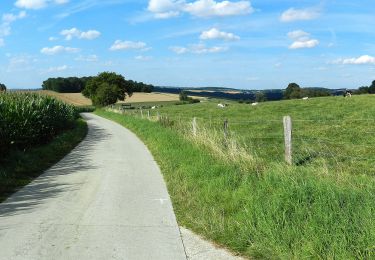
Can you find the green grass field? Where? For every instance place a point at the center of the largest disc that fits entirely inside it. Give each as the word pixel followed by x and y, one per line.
pixel 257 205
pixel 334 131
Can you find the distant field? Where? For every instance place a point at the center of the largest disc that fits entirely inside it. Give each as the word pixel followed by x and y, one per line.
pixel 76 99
pixel 151 97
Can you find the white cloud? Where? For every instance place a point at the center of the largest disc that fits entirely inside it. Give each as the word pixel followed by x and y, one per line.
pixel 38 4
pixel 216 34
pixel 362 60
pixel 143 58
pixel 10 18
pixel 292 14
pixel 89 58
pixel 179 50
pixel 7 20
pixel 128 45
pixel 200 8
pixel 58 49
pixel 302 40
pixel 304 44
pixel 207 8
pixel 52 38
pixel 57 69
pixel 198 49
pixel 75 33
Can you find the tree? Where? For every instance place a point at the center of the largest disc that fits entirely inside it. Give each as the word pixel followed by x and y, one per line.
pixel 183 96
pixel 3 87
pixel 260 97
pixel 106 95
pixel 107 88
pixel 292 91
pixel 371 89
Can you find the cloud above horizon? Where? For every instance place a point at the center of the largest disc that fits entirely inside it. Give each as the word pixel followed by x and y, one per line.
pixel 362 60
pixel 301 40
pixel 293 14
pixel 214 34
pixel 198 49
pixel 69 34
pixel 37 4
pixel 163 9
pixel 58 49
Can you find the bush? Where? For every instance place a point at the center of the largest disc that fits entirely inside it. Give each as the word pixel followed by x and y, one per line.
pixel 28 119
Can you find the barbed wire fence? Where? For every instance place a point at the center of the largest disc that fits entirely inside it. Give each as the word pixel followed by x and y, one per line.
pixel 347 145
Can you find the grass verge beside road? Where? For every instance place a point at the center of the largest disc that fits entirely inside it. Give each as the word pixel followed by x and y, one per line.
pixel 19 168
pixel 279 212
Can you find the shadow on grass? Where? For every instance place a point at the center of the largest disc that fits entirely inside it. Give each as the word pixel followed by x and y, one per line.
pixel 47 185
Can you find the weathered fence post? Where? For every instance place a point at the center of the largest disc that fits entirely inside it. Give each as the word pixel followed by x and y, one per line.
pixel 226 128
pixel 158 116
pixel 141 113
pixel 287 120
pixel 148 114
pixel 194 126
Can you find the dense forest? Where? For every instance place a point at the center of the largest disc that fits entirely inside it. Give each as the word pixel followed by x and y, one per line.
pixel 77 85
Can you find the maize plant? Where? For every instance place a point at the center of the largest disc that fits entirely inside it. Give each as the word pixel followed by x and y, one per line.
pixel 28 119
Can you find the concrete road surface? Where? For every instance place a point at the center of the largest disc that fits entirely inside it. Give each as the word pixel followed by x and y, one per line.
pixel 105 200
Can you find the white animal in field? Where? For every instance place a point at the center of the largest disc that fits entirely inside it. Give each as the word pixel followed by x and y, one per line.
pixel 305 98
pixel 154 107
pixel 220 105
pixel 255 104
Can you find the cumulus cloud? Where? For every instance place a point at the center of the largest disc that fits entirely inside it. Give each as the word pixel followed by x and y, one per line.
pixel 200 8
pixel 302 40
pixel 362 60
pixel 292 14
pixel 58 49
pixel 75 33
pixel 198 49
pixel 214 33
pixel 128 45
pixel 38 4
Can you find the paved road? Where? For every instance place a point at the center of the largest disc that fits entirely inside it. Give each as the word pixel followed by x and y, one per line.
pixel 105 200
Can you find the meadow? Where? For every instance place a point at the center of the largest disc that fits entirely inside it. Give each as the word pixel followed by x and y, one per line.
pixel 240 193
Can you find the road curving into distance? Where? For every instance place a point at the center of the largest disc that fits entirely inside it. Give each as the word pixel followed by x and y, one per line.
pixel 105 200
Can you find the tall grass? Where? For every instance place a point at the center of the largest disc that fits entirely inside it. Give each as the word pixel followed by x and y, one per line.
pixel 270 211
pixel 27 119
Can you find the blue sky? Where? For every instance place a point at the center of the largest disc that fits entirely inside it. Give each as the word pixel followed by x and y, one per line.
pixel 258 44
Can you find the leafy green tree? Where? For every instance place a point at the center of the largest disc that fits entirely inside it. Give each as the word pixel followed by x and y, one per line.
pixel 183 96
pixel 292 91
pixel 3 87
pixel 106 95
pixel 107 88
pixel 371 89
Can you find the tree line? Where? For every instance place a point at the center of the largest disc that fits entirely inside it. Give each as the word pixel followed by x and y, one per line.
pixel 77 85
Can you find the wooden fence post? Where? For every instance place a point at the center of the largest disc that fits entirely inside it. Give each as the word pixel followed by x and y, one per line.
pixel 148 114
pixel 194 126
pixel 226 128
pixel 287 120
pixel 158 115
pixel 141 113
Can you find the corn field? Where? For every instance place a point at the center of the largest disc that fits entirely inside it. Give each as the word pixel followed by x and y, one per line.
pixel 29 119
